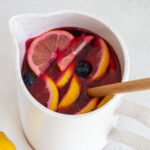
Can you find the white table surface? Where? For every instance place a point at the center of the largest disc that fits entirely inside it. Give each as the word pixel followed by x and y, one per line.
pixel 129 17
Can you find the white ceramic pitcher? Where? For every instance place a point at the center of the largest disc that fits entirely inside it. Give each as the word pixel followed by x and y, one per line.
pixel 48 130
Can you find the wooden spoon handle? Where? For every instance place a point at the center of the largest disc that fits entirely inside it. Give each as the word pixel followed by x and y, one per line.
pixel 117 88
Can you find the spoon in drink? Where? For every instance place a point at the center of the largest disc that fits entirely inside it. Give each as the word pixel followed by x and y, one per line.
pixel 122 87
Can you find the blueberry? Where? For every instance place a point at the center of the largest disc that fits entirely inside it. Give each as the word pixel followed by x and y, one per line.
pixel 83 69
pixel 29 78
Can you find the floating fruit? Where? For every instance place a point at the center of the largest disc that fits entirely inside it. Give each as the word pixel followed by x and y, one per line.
pixel 68 55
pixel 72 94
pixel 53 93
pixel 83 69
pixel 5 143
pixel 99 59
pixel 44 47
pixel 104 100
pixel 104 60
pixel 29 78
pixel 65 76
pixel 60 65
pixel 89 107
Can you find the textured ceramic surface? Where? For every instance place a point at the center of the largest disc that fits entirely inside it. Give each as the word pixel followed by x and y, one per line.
pixel 44 128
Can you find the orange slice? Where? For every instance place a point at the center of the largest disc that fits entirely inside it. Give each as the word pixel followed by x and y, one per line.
pixel 72 94
pixel 99 58
pixel 104 61
pixel 89 107
pixel 70 53
pixel 65 76
pixel 43 49
pixel 104 100
pixel 53 93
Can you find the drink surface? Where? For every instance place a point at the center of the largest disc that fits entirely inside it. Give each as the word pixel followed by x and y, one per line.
pixel 86 61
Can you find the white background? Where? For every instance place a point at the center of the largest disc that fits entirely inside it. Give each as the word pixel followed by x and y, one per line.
pixel 131 18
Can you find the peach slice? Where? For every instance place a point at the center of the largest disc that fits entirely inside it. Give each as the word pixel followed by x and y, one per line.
pixel 89 107
pixel 104 100
pixel 53 92
pixel 72 94
pixel 65 76
pixel 68 55
pixel 104 61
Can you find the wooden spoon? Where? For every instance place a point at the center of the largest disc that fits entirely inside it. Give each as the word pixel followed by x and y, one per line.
pixel 122 87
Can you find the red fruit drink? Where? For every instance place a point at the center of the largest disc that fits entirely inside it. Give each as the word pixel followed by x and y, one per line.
pixel 61 64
